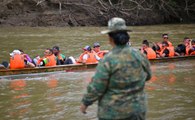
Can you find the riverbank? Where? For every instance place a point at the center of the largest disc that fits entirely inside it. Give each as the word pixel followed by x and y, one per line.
pixel 62 13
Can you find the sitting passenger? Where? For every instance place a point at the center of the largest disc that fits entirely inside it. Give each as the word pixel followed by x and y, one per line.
pixel 60 58
pixel 16 60
pixel 166 50
pixel 88 56
pixel 180 50
pixel 96 48
pixel 183 48
pixel 28 61
pixel 149 52
pixel 49 59
pixel 186 42
pixel 158 46
pixel 4 65
pixel 165 39
pixel 192 48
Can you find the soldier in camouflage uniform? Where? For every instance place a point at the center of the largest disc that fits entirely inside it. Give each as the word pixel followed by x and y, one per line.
pixel 120 77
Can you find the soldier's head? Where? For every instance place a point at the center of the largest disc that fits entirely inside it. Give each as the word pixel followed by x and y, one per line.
pixel 117 31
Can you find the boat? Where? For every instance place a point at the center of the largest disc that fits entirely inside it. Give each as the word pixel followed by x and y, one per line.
pixel 75 67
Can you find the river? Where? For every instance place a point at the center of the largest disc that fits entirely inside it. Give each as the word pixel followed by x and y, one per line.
pixel 57 95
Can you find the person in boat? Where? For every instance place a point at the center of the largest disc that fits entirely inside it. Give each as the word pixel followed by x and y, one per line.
pixel 49 58
pixel 88 56
pixel 187 43
pixel 28 61
pixel 180 50
pixel 4 65
pixel 192 48
pixel 157 47
pixel 183 48
pixel 60 58
pixel 165 39
pixel 100 53
pixel 166 50
pixel 16 60
pixel 147 50
pixel 119 80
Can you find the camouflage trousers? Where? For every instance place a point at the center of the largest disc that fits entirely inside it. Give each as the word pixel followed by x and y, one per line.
pixel 133 116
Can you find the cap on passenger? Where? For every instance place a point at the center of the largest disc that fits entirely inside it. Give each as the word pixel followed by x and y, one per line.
pixel 88 48
pixel 15 52
pixel 96 44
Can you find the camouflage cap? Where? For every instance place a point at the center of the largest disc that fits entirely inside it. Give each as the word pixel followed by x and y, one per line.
pixel 116 24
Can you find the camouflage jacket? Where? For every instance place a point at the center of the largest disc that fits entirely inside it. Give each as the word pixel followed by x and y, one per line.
pixel 118 83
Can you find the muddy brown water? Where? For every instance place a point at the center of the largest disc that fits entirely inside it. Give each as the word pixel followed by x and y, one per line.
pixel 57 95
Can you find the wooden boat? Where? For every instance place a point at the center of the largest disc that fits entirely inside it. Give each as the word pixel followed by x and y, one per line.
pixel 4 72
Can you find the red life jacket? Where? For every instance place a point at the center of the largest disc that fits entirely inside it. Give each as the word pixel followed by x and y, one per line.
pixel 17 62
pixel 150 53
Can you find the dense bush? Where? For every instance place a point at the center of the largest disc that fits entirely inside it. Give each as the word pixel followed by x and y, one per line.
pixel 95 12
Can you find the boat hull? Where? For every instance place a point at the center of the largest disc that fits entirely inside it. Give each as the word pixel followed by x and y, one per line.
pixel 5 72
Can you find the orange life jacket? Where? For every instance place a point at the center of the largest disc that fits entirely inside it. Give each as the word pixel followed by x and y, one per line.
pixel 192 53
pixel 160 46
pixel 51 60
pixel 91 58
pixel 169 43
pixel 187 50
pixel 161 52
pixel 102 53
pixel 17 62
pixel 150 53
pixel 171 51
pixel 81 57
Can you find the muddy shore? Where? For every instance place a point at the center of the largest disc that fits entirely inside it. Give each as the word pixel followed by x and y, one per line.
pixel 91 12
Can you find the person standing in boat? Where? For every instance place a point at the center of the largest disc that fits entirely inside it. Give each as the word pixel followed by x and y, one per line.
pixel 147 50
pixel 49 58
pixel 88 56
pixel 119 80
pixel 100 53
pixel 60 58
